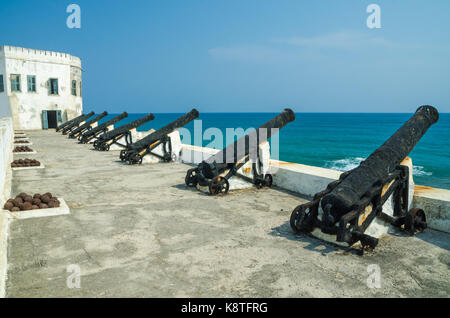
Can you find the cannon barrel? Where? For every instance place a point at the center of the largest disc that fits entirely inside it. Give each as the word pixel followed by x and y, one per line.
pixel 86 125
pixel 377 167
pixel 223 158
pixel 76 123
pixel 164 131
pixel 94 131
pixel 123 129
pixel 68 122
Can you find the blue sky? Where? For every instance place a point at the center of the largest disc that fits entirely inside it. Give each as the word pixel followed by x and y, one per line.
pixel 247 55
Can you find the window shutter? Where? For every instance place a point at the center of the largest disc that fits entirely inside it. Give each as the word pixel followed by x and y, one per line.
pixel 59 116
pixel 45 119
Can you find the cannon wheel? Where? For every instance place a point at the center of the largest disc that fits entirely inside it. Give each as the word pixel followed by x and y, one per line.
pixel 415 221
pixel 268 180
pixel 135 159
pixel 219 185
pixel 299 221
pixel 122 155
pixel 96 145
pixel 191 178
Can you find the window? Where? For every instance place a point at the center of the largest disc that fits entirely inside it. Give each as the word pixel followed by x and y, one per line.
pixel 2 87
pixel 53 86
pixel 15 83
pixel 31 80
pixel 74 88
pixel 80 89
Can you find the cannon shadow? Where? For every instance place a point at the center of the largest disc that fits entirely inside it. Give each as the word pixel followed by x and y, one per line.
pixel 313 244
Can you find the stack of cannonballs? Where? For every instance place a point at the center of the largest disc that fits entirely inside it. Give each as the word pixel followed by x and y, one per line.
pixel 20 163
pixel 22 149
pixel 25 202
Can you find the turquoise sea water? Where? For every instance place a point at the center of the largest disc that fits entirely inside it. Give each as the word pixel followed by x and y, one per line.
pixel 335 140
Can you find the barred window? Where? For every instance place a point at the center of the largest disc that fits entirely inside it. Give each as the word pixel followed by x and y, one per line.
pixel 31 80
pixel 15 83
pixel 53 86
pixel 74 88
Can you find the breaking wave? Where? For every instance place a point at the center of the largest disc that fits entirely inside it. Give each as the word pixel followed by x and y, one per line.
pixel 351 163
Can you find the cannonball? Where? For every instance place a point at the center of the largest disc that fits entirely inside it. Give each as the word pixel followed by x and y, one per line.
pixel 27 206
pixel 34 207
pixel 8 206
pixel 23 195
pixel 20 206
pixel 18 201
pixel 28 198
pixel 45 199
pixel 15 209
pixel 49 195
pixel 37 196
pixel 36 201
pixel 43 206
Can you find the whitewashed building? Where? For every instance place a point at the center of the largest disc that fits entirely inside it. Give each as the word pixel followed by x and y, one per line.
pixel 39 89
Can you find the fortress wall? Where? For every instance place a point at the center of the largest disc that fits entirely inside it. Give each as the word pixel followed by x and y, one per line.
pixel 308 180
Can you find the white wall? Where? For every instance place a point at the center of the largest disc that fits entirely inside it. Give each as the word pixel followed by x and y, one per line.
pixel 27 107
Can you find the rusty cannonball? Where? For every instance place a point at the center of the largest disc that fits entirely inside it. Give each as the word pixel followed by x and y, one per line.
pixel 8 206
pixel 49 195
pixel 36 201
pixel 28 198
pixel 45 199
pixel 37 196
pixel 23 195
pixel 20 206
pixel 34 207
pixel 43 206
pixel 26 206
pixel 17 201
pixel 15 209
pixel 51 204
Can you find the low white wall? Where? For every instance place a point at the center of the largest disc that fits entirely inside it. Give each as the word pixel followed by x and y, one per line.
pixel 6 144
pixel 308 180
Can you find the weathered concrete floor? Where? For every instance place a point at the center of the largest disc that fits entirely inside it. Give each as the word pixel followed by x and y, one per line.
pixel 137 231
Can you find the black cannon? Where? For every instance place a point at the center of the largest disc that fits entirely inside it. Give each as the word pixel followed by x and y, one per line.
pixel 350 204
pixel 76 123
pixel 216 170
pixel 109 138
pixel 86 126
pixel 68 122
pixel 135 152
pixel 100 129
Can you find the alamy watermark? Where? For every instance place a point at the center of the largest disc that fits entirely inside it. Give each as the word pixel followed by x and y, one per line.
pixel 74 19
pixel 374 279
pixel 74 279
pixel 374 19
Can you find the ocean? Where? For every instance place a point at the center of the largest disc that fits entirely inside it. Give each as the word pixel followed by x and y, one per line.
pixel 337 141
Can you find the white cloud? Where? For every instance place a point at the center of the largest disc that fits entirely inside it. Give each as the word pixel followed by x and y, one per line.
pixel 339 40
